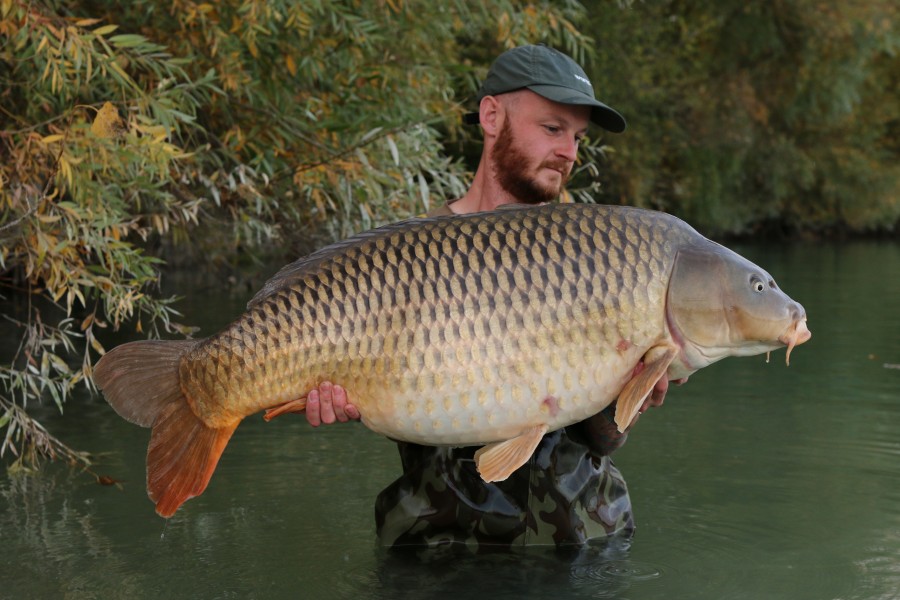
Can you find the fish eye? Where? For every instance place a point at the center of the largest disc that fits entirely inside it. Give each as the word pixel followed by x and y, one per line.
pixel 757 285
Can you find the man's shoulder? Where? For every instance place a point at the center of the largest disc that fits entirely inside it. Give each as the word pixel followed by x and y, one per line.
pixel 441 211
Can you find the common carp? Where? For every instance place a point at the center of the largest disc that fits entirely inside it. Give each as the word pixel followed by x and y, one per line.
pixel 490 328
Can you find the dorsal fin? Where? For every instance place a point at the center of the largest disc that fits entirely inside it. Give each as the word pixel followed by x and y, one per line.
pixel 309 263
pixel 516 206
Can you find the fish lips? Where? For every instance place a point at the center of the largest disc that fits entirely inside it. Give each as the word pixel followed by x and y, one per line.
pixel 796 334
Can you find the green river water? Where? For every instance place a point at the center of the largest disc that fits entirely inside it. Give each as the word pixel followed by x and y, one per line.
pixel 754 481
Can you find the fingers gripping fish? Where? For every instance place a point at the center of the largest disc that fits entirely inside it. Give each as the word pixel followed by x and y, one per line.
pixel 491 328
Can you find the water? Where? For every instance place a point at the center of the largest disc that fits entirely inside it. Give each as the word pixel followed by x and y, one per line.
pixel 753 481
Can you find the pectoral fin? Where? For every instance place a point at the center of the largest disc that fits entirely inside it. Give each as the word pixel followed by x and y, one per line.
pixel 632 396
pixel 496 462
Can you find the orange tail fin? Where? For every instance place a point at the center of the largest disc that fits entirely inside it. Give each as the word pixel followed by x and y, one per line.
pixel 182 456
pixel 140 381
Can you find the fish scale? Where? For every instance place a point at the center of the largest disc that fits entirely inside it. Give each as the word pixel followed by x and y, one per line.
pixel 490 328
pixel 439 335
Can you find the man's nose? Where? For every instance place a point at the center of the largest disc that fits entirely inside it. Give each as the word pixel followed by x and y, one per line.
pixel 568 149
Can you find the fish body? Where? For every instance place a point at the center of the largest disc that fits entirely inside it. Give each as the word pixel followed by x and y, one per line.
pixel 491 328
pixel 454 331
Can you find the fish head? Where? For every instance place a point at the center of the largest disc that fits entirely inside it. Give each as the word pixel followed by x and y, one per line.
pixel 720 304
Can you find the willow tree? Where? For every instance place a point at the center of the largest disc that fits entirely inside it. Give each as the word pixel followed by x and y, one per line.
pixel 136 132
pixel 751 116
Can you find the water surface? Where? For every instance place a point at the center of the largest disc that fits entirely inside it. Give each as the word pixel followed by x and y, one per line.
pixel 753 481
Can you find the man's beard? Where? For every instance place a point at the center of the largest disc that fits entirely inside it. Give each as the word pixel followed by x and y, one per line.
pixel 510 165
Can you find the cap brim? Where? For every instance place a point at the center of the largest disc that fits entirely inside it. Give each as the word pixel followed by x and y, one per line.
pixel 601 114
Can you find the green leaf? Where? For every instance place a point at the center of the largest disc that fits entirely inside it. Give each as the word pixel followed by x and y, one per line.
pixel 128 40
pixel 105 30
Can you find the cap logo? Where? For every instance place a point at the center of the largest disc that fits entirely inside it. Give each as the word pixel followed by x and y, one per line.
pixel 584 79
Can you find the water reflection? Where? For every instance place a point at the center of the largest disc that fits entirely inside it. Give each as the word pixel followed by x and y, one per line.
pixel 48 529
pixel 595 571
pixel 260 532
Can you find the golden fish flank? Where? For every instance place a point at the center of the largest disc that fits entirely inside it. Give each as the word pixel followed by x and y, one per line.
pixel 488 328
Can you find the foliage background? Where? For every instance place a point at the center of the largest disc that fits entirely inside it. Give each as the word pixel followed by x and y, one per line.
pixel 151 135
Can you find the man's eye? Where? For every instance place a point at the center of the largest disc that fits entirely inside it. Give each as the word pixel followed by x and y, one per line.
pixel 551 128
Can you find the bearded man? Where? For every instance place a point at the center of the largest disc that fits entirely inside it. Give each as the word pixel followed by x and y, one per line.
pixel 535 107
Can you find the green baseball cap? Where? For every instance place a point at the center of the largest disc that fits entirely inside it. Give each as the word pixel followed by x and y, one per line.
pixel 551 74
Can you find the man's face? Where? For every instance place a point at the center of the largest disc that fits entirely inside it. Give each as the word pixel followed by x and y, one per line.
pixel 537 146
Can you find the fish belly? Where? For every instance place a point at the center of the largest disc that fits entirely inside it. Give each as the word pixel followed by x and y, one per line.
pixel 473 403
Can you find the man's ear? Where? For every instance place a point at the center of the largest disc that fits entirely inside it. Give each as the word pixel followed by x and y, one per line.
pixel 491 114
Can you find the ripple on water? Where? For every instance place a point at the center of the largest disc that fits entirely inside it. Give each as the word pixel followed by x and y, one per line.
pixel 610 579
pixel 710 552
pixel 594 571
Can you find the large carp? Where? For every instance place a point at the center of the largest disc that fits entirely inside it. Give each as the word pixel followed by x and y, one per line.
pixel 491 328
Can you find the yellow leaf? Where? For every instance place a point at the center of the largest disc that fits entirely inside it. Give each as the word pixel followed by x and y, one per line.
pixel 87 22
pixel 108 123
pixel 105 30
pixel 52 138
pixel 59 33
pixel 291 65
pixel 115 66
pixel 152 130
pixel 66 169
pixel 97 346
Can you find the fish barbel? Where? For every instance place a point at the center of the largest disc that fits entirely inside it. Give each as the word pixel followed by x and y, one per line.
pixel 490 328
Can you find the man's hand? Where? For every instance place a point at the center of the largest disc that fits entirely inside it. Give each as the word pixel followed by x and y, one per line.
pixel 602 430
pixel 656 397
pixel 327 404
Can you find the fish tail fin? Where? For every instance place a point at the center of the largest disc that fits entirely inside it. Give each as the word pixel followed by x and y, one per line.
pixel 140 380
pixel 182 456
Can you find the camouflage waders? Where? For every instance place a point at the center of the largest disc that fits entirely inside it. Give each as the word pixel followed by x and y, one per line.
pixel 569 492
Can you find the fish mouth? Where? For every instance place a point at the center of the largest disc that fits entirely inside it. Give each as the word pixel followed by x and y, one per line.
pixel 796 334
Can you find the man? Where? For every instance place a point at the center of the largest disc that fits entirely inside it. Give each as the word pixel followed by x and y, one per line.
pixel 534 109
